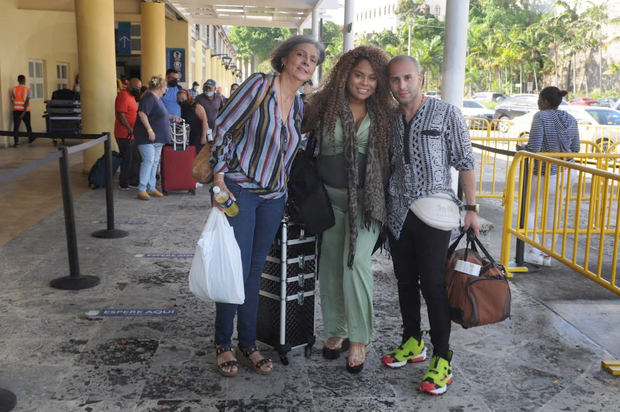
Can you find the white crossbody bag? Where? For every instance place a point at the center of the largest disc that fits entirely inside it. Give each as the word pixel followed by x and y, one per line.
pixel 439 211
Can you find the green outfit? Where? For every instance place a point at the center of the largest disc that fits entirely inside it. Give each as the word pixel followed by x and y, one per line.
pixel 346 292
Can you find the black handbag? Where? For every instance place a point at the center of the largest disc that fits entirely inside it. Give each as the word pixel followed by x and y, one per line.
pixel 308 202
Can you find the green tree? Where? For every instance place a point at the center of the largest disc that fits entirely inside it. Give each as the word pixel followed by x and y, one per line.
pixel 257 41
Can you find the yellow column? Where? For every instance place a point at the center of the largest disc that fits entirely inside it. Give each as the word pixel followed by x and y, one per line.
pixel 213 65
pixel 153 59
pixel 198 65
pixel 220 71
pixel 208 65
pixel 96 59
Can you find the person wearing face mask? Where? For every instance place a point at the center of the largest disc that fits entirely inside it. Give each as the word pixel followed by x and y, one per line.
pixel 194 114
pixel 193 92
pixel 126 109
pixel 170 97
pixel 210 101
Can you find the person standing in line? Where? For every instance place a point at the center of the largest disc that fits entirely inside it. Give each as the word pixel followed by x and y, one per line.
pixel 552 131
pixel 195 116
pixel 193 92
pixel 126 108
pixel 210 102
pixel 429 136
pixel 170 96
pixel 256 139
pixel 151 133
pixel 20 100
pixel 351 118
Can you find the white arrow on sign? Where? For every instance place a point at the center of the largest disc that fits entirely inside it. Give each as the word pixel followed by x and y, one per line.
pixel 124 39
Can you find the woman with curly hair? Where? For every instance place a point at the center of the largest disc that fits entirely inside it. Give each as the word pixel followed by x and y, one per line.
pixel 350 116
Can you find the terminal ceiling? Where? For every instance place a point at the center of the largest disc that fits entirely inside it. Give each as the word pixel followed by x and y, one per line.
pixel 257 13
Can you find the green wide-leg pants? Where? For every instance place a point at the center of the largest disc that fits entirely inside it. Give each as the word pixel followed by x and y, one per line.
pixel 346 293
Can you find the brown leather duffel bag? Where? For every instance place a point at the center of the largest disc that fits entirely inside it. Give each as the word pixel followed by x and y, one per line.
pixel 476 300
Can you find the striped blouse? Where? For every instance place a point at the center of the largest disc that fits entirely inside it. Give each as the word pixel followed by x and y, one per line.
pixel 253 145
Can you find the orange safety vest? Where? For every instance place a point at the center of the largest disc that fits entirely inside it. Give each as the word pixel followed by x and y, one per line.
pixel 20 93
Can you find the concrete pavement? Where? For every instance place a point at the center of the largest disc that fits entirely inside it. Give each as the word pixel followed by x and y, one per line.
pixel 546 357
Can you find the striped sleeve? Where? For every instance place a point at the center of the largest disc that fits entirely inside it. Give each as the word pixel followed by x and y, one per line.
pixel 234 114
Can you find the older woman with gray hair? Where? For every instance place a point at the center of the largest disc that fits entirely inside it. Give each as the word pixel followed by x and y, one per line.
pixel 257 135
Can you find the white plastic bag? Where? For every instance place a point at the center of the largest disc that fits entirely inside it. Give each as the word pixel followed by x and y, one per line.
pixel 217 272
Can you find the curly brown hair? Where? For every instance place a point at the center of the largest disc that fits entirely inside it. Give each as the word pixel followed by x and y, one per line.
pixel 326 104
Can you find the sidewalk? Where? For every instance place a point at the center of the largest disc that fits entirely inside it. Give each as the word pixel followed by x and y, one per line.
pixel 545 358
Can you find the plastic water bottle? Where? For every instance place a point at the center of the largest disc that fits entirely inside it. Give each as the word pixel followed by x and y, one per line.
pixel 230 206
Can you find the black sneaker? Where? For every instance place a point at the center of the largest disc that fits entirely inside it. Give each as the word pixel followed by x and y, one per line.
pixel 123 187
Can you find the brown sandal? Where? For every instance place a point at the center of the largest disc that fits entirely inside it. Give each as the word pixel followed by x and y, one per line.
pixel 244 357
pixel 228 364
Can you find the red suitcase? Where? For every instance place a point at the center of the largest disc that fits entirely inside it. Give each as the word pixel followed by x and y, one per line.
pixel 176 169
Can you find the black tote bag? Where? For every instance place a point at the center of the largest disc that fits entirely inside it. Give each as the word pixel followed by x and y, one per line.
pixel 308 202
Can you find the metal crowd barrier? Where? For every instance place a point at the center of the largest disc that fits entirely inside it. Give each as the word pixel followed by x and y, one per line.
pixel 496 155
pixel 75 280
pixel 580 231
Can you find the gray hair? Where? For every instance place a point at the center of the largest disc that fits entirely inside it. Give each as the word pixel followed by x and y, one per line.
pixel 401 57
pixel 287 46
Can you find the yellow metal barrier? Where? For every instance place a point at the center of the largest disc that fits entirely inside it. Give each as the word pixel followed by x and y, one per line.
pixel 495 160
pixel 602 136
pixel 580 231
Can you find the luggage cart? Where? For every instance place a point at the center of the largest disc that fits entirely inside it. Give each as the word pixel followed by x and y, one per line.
pixel 63 116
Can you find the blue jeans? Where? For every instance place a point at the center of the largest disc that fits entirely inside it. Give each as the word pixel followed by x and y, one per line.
pixel 255 229
pixel 151 153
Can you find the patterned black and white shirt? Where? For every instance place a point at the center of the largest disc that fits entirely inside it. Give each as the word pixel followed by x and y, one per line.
pixel 421 154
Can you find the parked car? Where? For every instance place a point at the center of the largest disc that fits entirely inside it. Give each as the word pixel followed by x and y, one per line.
pixel 608 102
pixel 434 94
pixel 473 110
pixel 583 101
pixel 489 97
pixel 591 124
pixel 516 105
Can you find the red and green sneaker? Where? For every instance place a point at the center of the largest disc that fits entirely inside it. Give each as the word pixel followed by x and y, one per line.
pixel 438 376
pixel 411 351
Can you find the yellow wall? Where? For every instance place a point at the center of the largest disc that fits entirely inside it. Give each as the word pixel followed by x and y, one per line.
pixel 178 36
pixel 197 74
pixel 50 37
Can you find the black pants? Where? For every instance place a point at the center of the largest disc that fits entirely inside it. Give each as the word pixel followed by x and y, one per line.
pixel 17 120
pixel 130 166
pixel 419 257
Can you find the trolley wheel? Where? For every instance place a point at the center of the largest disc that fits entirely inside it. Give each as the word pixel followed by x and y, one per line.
pixel 192 192
pixel 284 359
pixel 55 142
pixel 165 192
pixel 308 351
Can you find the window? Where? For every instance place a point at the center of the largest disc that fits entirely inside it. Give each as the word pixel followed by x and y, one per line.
pixel 136 38
pixel 62 75
pixel 437 11
pixel 35 76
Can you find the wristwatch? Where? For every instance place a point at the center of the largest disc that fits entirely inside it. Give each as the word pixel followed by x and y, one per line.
pixel 472 208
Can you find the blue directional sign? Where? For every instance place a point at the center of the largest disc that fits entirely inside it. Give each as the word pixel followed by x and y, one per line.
pixel 175 59
pixel 123 38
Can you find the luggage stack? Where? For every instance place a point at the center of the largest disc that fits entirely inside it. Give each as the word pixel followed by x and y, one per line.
pixel 63 114
pixel 177 161
pixel 287 291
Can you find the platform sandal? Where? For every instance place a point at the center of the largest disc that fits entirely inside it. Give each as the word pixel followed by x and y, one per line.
pixel 233 364
pixel 244 356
